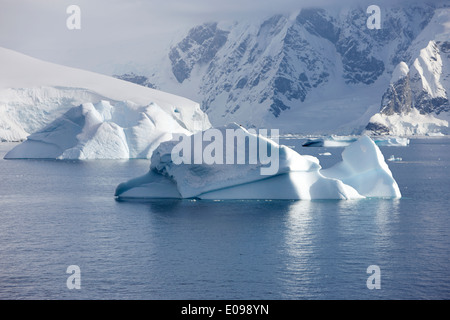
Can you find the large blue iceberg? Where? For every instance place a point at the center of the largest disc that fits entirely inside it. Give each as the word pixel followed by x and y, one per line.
pixel 362 173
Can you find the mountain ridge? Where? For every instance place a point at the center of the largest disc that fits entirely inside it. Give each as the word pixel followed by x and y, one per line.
pixel 315 71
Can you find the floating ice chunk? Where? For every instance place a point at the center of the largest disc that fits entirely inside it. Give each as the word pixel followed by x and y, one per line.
pixel 331 141
pixel 338 141
pixel 393 158
pixel 392 142
pixel 362 173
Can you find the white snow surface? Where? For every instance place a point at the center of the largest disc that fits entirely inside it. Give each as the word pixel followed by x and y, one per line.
pixel 428 67
pixel 33 93
pixel 362 173
pixel 400 71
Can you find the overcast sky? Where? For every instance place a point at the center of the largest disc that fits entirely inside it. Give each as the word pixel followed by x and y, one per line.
pixel 122 30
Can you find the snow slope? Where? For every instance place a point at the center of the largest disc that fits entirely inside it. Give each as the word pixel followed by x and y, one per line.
pixel 33 93
pixel 362 173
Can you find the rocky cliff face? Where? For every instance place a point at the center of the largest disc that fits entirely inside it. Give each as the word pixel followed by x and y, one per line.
pixel 420 86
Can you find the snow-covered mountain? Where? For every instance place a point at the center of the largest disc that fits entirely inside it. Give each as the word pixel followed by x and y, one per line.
pixel 77 107
pixel 417 99
pixel 315 71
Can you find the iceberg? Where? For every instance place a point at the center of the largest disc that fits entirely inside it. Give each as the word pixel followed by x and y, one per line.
pixel 331 141
pixel 337 141
pixel 392 142
pixel 101 131
pixel 36 96
pixel 362 173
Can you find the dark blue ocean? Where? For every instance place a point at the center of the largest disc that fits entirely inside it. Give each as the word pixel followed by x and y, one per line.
pixel 54 214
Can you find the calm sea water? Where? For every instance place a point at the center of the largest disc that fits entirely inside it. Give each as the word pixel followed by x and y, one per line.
pixel 59 213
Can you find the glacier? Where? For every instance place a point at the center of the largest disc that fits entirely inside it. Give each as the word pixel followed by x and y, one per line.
pixel 362 173
pixel 68 113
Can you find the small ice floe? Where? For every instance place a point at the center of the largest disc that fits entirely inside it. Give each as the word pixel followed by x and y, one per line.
pixel 393 158
pixel 325 154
